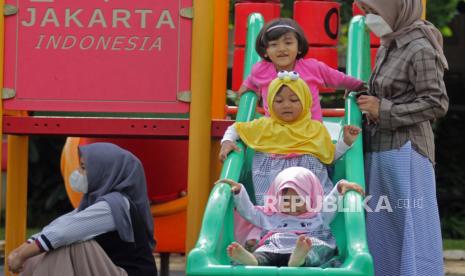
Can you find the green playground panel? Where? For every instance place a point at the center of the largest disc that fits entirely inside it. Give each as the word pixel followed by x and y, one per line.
pixel 209 255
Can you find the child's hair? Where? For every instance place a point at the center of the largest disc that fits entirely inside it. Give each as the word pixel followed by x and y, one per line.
pixel 268 33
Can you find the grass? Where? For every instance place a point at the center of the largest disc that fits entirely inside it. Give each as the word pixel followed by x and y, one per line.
pixel 454 244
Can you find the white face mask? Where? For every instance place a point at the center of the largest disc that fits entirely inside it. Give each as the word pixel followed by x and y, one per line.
pixel 377 25
pixel 78 182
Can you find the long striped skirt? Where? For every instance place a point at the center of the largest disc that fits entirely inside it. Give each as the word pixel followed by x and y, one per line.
pixel 404 236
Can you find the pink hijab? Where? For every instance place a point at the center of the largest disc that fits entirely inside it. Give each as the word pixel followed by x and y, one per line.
pixel 404 16
pixel 301 180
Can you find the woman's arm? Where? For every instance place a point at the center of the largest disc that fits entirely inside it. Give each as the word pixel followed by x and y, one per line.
pixel 431 101
pixel 84 225
pixel 55 221
pixel 31 247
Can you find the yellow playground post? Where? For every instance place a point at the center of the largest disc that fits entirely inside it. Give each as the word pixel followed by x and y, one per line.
pixel 16 193
pixel 198 177
pixel 219 78
pixel 16 189
pixel 220 63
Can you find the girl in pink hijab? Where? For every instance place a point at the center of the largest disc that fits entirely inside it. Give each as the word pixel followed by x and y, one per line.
pixel 406 94
pixel 295 231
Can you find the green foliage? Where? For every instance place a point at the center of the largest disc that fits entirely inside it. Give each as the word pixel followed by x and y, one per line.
pixel 441 12
pixel 47 198
pixel 453 226
pixel 450 174
pixel 454 244
pixel 287 7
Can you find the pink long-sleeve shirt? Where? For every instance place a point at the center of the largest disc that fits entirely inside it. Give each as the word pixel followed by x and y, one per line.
pixel 315 73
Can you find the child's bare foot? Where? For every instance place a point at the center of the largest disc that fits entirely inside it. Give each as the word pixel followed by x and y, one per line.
pixel 302 247
pixel 240 255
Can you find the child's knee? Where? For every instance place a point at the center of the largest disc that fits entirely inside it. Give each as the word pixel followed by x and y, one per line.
pixel 251 245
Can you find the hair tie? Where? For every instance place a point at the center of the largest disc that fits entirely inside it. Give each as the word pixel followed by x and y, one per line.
pixel 288 75
pixel 280 26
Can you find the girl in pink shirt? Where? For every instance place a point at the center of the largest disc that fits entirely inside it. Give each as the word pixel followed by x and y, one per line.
pixel 282 45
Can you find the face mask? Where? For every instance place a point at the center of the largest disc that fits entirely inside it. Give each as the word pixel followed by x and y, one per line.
pixel 377 25
pixel 78 182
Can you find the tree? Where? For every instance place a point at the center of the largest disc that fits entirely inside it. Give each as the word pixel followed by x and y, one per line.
pixel 439 12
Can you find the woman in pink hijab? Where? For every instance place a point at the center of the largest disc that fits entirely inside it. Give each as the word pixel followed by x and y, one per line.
pixel 406 94
pixel 294 231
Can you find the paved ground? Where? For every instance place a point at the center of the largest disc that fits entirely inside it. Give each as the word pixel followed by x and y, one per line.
pixel 455 268
pixel 177 266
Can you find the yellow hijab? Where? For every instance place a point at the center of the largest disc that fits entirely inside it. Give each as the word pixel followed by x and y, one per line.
pixel 303 136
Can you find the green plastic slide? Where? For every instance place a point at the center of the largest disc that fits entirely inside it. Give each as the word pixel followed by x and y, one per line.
pixel 209 255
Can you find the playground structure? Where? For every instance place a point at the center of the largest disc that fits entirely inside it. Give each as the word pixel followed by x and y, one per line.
pixel 209 255
pixel 58 80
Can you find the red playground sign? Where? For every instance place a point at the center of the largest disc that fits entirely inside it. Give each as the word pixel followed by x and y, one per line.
pixel 98 55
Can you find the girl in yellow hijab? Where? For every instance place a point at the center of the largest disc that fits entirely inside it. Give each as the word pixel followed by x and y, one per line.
pixel 281 134
pixel 289 133
pixel 288 138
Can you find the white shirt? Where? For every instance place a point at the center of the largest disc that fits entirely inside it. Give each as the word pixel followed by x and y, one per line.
pixel 77 226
